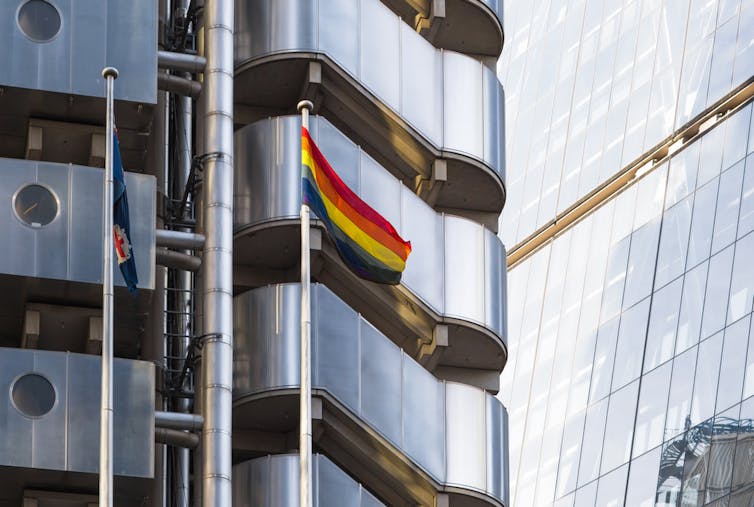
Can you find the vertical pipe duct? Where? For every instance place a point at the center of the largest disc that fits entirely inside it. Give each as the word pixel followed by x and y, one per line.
pixel 200 110
pixel 217 261
pixel 156 347
pixel 183 281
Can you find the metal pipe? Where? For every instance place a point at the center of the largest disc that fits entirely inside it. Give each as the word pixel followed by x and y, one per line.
pixel 106 422
pixel 182 62
pixel 178 239
pixel 179 85
pixel 183 280
pixel 177 438
pixel 178 421
pixel 176 260
pixel 217 260
pixel 305 398
pixel 198 315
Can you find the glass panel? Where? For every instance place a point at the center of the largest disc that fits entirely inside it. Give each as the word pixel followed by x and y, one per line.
pixel 711 155
pixel 716 296
pixel 591 450
pixel 721 454
pixel 674 242
pixel 630 348
pixel 586 496
pixel 642 481
pixel 663 322
pixel 619 426
pixel 641 263
pixel 734 365
pixel 612 488
pixel 604 357
pixel 653 401
pixel 746 217
pixel 682 174
pixel 728 200
pixel 701 224
pixel 736 136
pixel 692 299
pixel 743 465
pixel 569 454
pixel 614 279
pixel 742 281
pixel 681 389
pixel 705 383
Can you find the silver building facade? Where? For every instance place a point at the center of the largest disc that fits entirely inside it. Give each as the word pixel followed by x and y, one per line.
pixel 630 381
pixel 408 109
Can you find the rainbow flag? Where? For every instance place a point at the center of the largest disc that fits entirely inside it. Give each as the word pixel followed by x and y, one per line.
pixel 367 243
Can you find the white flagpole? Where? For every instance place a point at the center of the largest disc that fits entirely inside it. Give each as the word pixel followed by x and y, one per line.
pixel 305 405
pixel 106 409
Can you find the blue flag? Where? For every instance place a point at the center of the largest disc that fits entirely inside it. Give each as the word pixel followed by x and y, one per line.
pixel 121 228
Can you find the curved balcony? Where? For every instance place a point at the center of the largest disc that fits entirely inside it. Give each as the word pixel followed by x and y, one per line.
pixel 405 434
pixel 455 275
pixel 467 26
pixel 433 118
pixel 273 480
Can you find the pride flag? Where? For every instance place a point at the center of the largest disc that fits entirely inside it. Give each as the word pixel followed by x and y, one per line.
pixel 368 244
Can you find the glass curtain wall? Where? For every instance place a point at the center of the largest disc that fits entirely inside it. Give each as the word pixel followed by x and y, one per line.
pixel 631 372
pixel 593 84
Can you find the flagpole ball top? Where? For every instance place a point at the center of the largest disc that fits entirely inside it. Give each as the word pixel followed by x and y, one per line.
pixel 305 104
pixel 110 72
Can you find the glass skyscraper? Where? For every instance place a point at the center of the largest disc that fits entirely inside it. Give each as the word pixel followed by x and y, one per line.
pixel 630 227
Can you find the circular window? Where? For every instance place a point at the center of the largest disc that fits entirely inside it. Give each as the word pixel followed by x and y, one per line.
pixel 35 205
pixel 39 20
pixel 33 395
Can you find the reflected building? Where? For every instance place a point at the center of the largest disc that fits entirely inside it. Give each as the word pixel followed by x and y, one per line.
pixel 631 221
pixel 408 109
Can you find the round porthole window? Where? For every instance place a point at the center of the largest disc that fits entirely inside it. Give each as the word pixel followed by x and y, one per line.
pixel 33 395
pixel 35 205
pixel 39 20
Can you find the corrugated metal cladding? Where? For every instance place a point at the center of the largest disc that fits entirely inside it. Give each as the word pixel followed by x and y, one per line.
pixel 62 434
pixel 67 53
pixel 70 246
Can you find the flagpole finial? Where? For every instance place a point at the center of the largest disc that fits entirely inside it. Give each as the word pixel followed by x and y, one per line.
pixel 110 72
pixel 305 104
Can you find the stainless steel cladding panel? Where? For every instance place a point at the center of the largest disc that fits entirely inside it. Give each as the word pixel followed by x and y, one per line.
pixel 456 265
pixel 497 442
pixel 69 246
pixel 466 436
pixel 67 52
pixel 335 346
pixel 266 339
pixel 381 400
pixel 272 481
pixel 424 418
pixel 456 433
pixel 49 412
pixel 464 277
pixel 453 100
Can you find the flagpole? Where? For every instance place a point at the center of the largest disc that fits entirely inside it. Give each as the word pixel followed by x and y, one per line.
pixel 305 404
pixel 106 405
